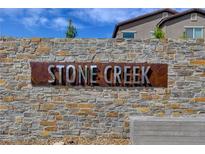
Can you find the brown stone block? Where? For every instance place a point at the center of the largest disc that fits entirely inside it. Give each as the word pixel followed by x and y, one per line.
pixel 135 105
pixel 48 123
pixel 8 98
pixel 36 40
pixel 198 62
pixel 59 117
pixel 51 129
pixel 175 106
pixel 44 133
pixel 2 82
pixel 85 105
pixel 147 96
pixel 5 107
pixel 126 124
pixel 112 114
pixel 189 111
pixel 198 99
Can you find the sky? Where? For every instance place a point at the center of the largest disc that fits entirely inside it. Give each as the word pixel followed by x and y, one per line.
pixel 50 23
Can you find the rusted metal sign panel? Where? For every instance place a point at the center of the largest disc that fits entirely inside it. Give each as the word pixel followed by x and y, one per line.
pixel 99 74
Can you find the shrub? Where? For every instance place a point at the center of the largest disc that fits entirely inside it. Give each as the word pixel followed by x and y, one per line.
pixel 158 33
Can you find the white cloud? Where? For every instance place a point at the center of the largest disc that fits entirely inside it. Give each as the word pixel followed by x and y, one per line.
pixel 61 23
pixel 34 21
pixel 107 15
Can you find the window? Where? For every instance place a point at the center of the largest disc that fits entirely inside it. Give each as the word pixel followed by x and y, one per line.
pixel 193 16
pixel 128 34
pixel 164 14
pixel 194 32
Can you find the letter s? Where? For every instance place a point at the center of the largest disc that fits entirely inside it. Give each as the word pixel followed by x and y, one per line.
pixel 52 76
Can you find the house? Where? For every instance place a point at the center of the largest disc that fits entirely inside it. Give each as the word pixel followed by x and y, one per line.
pixel 187 24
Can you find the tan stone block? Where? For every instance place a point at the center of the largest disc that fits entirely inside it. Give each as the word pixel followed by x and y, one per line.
pixel 43 50
pixel 36 40
pixel 135 105
pixel 8 98
pixel 51 129
pixel 6 60
pixel 44 133
pixel 198 62
pixel 143 109
pixel 25 56
pixel 189 111
pixel 175 106
pixel 72 105
pixel 120 101
pixel 21 85
pixel 86 112
pixel 63 53
pixel 112 114
pixel 58 98
pixel 86 105
pixel 4 107
pixel 47 106
pixel 2 82
pixel 22 77
pixel 176 114
pixel 48 123
pixel 18 119
pixel 198 99
pixel 160 114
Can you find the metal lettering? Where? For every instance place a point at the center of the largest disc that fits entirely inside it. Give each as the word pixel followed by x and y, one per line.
pixel 60 69
pixel 136 73
pixel 93 73
pixel 82 74
pixel 117 73
pixel 52 80
pixel 68 69
pixel 144 75
pixel 126 74
pixel 105 74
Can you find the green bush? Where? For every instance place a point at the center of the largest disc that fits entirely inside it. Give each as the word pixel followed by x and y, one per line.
pixel 158 33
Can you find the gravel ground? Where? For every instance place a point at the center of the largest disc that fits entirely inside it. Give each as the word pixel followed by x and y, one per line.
pixel 70 141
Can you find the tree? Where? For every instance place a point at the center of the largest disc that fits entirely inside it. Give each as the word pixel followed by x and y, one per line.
pixel 71 31
pixel 158 33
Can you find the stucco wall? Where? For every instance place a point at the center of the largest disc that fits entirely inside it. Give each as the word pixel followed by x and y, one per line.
pixel 174 28
pixel 142 28
pixel 30 113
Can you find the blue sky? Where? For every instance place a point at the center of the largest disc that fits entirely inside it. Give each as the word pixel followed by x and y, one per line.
pixel 49 23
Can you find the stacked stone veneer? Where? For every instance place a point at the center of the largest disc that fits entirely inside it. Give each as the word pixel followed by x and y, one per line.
pixel 28 112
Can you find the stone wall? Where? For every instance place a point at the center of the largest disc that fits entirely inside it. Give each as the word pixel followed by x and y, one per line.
pixel 30 113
